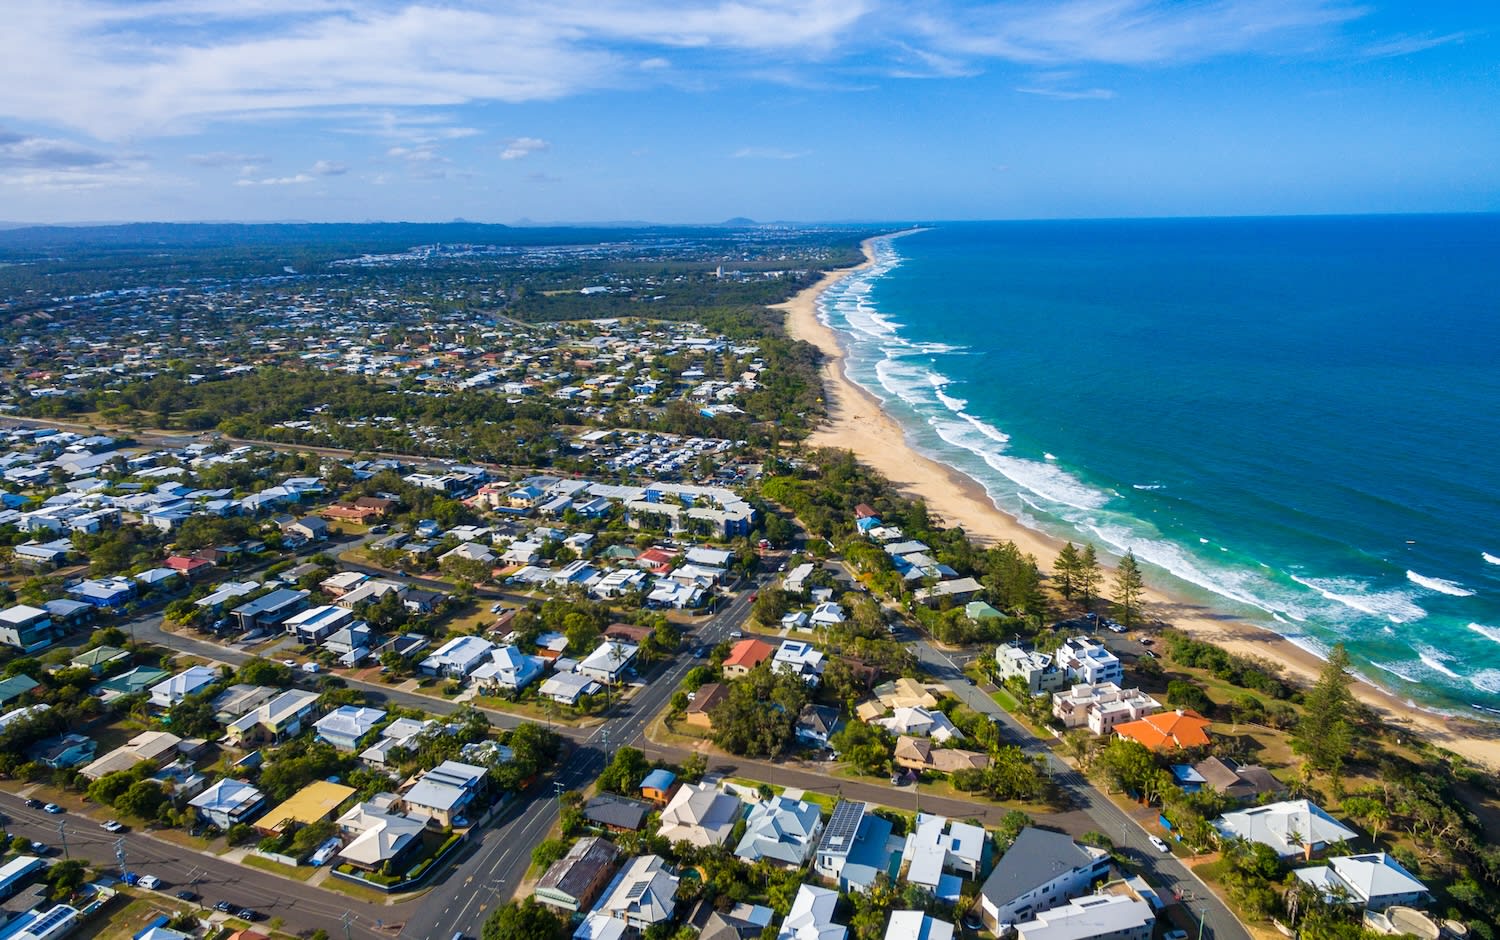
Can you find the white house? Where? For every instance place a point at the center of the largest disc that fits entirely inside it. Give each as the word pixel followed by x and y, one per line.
pixel 567 688
pixel 229 802
pixel 937 846
pixel 1040 871
pixel 1291 828
pixel 700 814
pixel 190 681
pixel 920 722
pixel 1088 662
pixel 1112 916
pixel 1375 881
pixel 346 725
pixel 645 893
pixel 827 614
pixel 608 662
pixel 811 916
pixel 508 668
pixel 917 925
pixel 782 830
pixel 1101 706
pixel 458 657
pixel 799 658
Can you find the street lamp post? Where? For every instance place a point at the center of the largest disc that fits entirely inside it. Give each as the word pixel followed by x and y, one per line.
pixel 1202 917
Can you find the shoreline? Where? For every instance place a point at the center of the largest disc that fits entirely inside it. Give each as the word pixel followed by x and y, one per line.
pixel 856 422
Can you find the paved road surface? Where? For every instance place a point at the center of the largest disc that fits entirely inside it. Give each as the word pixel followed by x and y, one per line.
pixel 301 906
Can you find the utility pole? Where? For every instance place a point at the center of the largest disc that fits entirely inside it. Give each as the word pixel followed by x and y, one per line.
pixel 347 918
pixel 62 832
pixel 120 855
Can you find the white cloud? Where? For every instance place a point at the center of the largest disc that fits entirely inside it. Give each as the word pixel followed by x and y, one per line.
pixel 767 153
pixel 297 180
pixel 226 158
pixel 1068 94
pixel 46 153
pixel 330 168
pixel 519 147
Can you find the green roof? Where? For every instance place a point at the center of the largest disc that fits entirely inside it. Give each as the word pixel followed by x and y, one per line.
pixel 16 686
pixel 98 656
pixel 979 610
pixel 138 679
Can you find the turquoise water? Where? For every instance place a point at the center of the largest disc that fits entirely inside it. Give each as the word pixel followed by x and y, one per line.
pixel 1296 420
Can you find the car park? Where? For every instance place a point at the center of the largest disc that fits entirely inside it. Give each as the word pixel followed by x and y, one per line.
pixel 1161 846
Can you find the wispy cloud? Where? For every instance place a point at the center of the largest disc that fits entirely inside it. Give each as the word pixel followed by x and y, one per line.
pixel 330 168
pixel 227 158
pixel 518 147
pixel 46 153
pixel 1068 94
pixel 767 153
pixel 297 180
pixel 1409 45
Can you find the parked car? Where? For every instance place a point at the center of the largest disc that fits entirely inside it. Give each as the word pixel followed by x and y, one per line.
pixel 150 882
pixel 41 848
pixel 309 667
pixel 224 907
pixel 114 825
pixel 34 804
pixel 186 895
pixel 289 663
pixel 248 913
pixel 53 808
pixel 1161 846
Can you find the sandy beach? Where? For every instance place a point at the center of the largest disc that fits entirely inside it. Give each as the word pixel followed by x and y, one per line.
pixel 857 423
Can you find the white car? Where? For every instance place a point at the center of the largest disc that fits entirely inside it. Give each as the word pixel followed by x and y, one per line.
pixel 1160 845
pixel 149 882
pixel 289 663
pixel 309 667
pixel 114 825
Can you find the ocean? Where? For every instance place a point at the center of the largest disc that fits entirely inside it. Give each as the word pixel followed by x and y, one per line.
pixel 1294 420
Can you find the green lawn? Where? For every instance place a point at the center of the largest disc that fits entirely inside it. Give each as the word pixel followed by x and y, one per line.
pixel 300 872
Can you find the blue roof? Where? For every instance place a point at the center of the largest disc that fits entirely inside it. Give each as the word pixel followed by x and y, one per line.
pixel 659 780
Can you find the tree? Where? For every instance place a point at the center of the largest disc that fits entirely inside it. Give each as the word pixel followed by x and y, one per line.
pixel 1088 574
pixel 1325 735
pixel 265 672
pixel 865 746
pixel 693 767
pixel 1128 587
pixel 64 878
pixel 547 852
pixel 1187 695
pixel 143 800
pixel 625 771
pixel 526 920
pixel 1066 570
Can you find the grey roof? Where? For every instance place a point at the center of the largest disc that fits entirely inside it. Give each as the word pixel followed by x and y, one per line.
pixel 618 811
pixel 1035 858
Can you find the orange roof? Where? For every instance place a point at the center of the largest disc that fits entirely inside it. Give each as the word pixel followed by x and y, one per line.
pixel 1168 730
pixel 749 653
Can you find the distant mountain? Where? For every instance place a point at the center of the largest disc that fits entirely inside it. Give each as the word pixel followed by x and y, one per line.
pixel 738 222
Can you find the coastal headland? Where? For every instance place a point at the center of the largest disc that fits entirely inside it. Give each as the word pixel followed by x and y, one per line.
pixel 857 423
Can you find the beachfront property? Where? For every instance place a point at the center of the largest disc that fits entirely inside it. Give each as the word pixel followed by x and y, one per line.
pixel 1041 870
pixel 1087 662
pixel 1037 671
pixel 1101 707
pixel 1241 783
pixel 1167 731
pixel 1292 829
pixel 1374 882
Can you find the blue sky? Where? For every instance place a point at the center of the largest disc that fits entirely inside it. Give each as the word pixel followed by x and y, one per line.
pixel 591 110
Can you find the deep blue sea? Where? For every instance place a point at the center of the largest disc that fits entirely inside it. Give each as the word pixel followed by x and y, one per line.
pixel 1295 420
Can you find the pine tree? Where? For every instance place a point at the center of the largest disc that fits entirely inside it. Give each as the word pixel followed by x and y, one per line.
pixel 1128 587
pixel 1088 574
pixel 1066 570
pixel 1325 735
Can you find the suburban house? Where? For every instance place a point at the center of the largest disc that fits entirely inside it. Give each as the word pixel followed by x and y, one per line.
pixel 921 723
pixel 1374 882
pixel 402 733
pixel 856 848
pixel 1114 916
pixel 1239 782
pixel 508 669
pixel 268 610
pixel 443 792
pixel 190 681
pixel 108 593
pixel 817 723
pixel 741 922
pixel 129 682
pixel 699 710
pixel 574 881
pixel 919 754
pixel 917 925
pixel 273 721
pixel 351 643
pixel 1168 731
pixel 1291 828
pixel 781 830
pixel 658 786
pixel 745 656
pixel 458 657
pixel 616 813
pixel 377 836
pixel 700 814
pixel 15 687
pixel 1041 870
pixel 313 803
pixel 567 688
pixel 799 658
pixel 645 893
pixel 229 802
pixel 153 747
pixel 347 725
pixel 811 916
pixel 27 628
pixel 607 663
pixel 100 659
pixel 69 750
pixel 939 854
pixel 316 624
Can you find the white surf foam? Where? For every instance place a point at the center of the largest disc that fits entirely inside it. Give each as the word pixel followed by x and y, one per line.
pixel 1490 558
pixel 1400 672
pixel 1437 661
pixel 1050 483
pixel 1489 633
pixel 1049 456
pixel 1395 606
pixel 1146 486
pixel 1441 585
